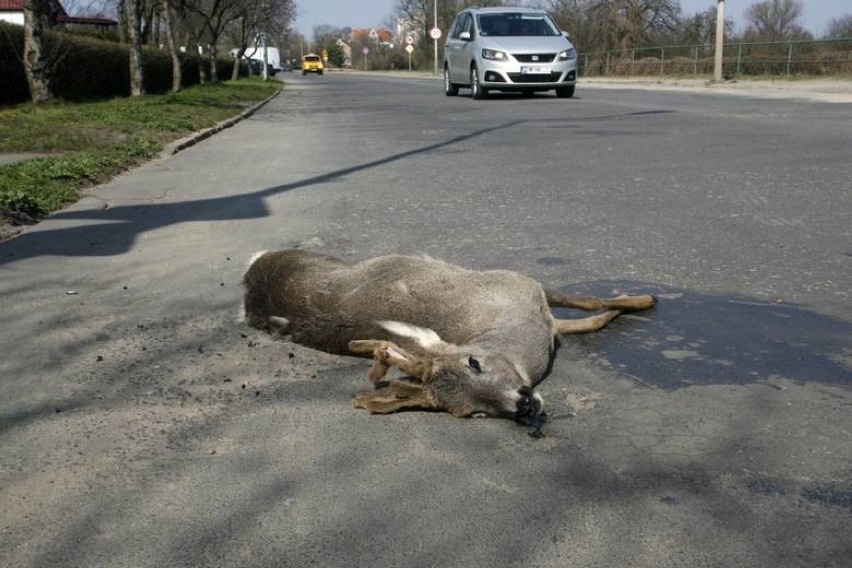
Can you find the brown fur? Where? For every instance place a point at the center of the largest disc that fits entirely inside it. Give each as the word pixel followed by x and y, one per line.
pixel 469 341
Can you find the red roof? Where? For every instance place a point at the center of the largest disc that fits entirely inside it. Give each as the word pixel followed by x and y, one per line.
pixel 18 6
pixel 362 33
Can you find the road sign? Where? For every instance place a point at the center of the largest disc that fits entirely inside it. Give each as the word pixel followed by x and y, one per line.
pixel 409 39
pixel 365 51
pixel 435 32
pixel 409 48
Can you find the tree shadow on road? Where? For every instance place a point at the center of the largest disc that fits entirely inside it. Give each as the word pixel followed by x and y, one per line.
pixel 179 464
pixel 112 231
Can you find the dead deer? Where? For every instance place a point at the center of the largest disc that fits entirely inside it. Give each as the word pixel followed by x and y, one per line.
pixel 469 342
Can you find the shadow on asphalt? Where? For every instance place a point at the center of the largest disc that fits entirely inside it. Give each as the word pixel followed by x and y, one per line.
pixel 112 231
pixel 694 338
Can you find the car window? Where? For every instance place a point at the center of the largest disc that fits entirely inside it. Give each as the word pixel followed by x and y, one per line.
pixel 516 24
pixel 454 29
pixel 464 24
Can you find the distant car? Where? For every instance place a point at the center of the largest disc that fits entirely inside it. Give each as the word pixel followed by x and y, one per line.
pixel 312 63
pixel 256 67
pixel 508 49
pixel 287 67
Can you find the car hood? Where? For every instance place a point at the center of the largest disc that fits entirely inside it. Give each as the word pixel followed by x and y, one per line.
pixel 527 44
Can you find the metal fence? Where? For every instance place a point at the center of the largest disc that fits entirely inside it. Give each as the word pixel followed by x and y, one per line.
pixel 780 58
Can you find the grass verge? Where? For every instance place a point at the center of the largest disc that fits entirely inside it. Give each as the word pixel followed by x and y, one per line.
pixel 84 144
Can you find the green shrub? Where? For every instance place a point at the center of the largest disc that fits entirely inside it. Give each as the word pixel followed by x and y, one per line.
pixel 86 68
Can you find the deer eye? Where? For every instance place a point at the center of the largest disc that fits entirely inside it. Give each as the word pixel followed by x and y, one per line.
pixel 474 364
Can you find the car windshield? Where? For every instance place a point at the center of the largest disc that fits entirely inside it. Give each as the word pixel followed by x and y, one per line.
pixel 311 58
pixel 516 24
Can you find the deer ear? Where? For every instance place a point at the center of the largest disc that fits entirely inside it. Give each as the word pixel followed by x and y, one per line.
pixel 426 338
pixel 397 395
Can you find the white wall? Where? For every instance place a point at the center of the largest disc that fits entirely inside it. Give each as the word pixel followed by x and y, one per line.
pixel 13 17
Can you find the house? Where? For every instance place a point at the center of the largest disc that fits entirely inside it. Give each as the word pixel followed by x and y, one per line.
pixel 13 11
pixel 379 35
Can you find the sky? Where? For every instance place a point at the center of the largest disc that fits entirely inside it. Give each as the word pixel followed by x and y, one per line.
pixel 374 13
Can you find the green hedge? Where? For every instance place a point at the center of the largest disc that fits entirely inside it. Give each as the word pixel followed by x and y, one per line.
pixel 84 68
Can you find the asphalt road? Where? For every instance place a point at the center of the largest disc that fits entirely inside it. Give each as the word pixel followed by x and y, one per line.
pixel 142 425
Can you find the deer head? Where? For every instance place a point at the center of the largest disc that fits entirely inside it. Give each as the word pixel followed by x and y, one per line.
pixel 461 380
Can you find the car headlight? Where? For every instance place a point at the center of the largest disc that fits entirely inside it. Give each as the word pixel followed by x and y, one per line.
pixel 494 54
pixel 569 53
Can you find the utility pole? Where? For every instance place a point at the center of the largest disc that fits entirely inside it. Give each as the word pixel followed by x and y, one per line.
pixel 720 40
pixel 435 39
pixel 265 57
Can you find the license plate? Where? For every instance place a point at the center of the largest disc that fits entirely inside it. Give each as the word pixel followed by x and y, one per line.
pixel 535 70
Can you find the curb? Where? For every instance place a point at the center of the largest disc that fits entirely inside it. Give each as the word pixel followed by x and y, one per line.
pixel 179 145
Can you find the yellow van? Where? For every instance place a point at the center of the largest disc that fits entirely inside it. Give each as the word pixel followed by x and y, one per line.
pixel 312 63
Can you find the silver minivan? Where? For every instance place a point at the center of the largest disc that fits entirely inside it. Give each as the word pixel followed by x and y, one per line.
pixel 508 49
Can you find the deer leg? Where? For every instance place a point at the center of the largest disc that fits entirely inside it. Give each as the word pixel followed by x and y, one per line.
pixel 386 355
pixel 396 396
pixel 585 325
pixel 623 302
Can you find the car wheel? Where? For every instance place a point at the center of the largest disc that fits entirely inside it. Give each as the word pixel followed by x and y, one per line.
pixel 565 92
pixel 304 73
pixel 319 72
pixel 476 90
pixel 450 88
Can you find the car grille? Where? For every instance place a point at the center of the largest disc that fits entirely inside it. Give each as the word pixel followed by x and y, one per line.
pixel 530 78
pixel 531 57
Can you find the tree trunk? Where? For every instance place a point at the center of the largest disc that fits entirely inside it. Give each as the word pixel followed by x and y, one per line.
pixel 35 64
pixel 235 72
pixel 241 50
pixel 177 75
pixel 202 71
pixel 214 72
pixel 137 78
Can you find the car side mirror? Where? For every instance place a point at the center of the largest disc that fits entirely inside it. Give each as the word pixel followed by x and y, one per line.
pixel 565 34
pixel 464 36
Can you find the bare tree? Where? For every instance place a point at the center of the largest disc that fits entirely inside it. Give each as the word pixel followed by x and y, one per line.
pixel 775 20
pixel 35 63
pixel 598 25
pixel 700 28
pixel 137 77
pixel 418 17
pixel 177 73
pixel 840 27
pixel 254 17
pixel 213 17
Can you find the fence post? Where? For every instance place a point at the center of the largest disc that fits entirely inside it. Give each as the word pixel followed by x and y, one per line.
pixel 695 62
pixel 607 63
pixel 662 61
pixel 739 58
pixel 789 57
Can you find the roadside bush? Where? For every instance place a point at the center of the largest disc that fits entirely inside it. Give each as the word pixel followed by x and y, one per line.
pixel 84 68
pixel 647 66
pixel 680 65
pixel 831 63
pixel 13 87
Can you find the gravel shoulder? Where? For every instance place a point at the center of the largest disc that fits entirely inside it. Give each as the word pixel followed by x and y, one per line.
pixel 822 90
